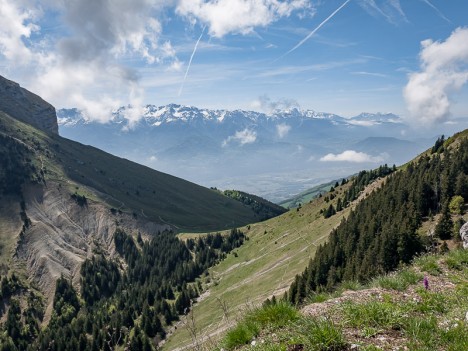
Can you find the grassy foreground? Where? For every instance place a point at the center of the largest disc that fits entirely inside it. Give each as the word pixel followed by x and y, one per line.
pixel 420 307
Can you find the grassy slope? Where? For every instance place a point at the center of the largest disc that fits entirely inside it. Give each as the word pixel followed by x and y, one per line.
pixel 129 186
pixel 307 195
pixel 393 312
pixel 265 265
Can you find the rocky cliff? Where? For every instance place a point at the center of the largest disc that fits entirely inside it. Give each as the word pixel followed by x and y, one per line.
pixel 27 107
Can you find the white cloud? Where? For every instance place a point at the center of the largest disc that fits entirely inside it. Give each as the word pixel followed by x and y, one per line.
pixel 351 156
pixel 81 65
pixel 16 26
pixel 361 123
pixel 282 130
pixel 245 136
pixel 238 16
pixel 119 27
pixel 266 104
pixel 443 72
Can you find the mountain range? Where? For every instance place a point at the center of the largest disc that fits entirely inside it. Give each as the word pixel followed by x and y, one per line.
pixel 90 258
pixel 275 155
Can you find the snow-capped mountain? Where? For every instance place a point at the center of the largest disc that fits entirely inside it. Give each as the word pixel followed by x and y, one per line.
pixel 158 115
pixel 246 150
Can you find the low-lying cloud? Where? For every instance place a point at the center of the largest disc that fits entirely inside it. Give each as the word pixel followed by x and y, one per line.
pixel 443 72
pixel 351 156
pixel 243 137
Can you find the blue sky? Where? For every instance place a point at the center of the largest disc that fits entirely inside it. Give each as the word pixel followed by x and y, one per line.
pixel 409 57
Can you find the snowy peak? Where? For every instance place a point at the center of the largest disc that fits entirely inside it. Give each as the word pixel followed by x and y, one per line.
pixel 179 114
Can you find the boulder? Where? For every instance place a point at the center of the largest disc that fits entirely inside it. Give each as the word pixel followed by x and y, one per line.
pixel 464 235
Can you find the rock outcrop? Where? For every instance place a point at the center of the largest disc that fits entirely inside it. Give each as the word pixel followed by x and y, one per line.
pixel 464 235
pixel 27 107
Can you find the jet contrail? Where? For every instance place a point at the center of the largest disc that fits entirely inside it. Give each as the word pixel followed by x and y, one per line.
pixel 315 30
pixel 190 61
pixel 437 10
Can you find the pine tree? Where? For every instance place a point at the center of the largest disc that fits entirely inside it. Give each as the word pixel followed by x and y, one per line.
pixel 443 229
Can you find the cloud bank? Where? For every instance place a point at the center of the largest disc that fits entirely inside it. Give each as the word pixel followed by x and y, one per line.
pixel 351 156
pixel 443 72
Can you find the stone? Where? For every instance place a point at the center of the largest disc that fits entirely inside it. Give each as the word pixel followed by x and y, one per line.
pixel 464 235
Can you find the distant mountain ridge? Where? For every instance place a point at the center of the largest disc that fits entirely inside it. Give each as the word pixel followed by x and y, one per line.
pixel 155 116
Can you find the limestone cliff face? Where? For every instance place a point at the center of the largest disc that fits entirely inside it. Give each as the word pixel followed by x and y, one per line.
pixel 27 107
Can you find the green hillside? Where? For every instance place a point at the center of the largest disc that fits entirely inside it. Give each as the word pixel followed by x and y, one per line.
pixel 263 208
pixel 125 185
pixel 307 195
pixel 263 266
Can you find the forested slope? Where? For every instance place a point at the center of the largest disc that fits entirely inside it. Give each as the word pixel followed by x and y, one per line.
pixel 382 232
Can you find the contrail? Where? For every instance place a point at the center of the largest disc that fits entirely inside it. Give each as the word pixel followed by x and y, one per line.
pixel 190 61
pixel 437 10
pixel 315 30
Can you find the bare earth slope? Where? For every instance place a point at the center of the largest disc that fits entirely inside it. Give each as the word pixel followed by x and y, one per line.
pixel 63 234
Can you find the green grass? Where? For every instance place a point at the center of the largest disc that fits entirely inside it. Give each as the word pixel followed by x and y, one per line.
pixel 374 314
pixel 321 335
pixel 128 186
pixel 429 264
pixel 315 334
pixel 240 335
pixel 397 281
pixel 274 316
pixel 457 259
pixel 425 320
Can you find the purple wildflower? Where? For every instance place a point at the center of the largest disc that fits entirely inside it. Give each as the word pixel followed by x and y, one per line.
pixel 426 283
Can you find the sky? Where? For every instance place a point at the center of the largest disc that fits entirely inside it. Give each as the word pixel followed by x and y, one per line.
pixel 408 57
